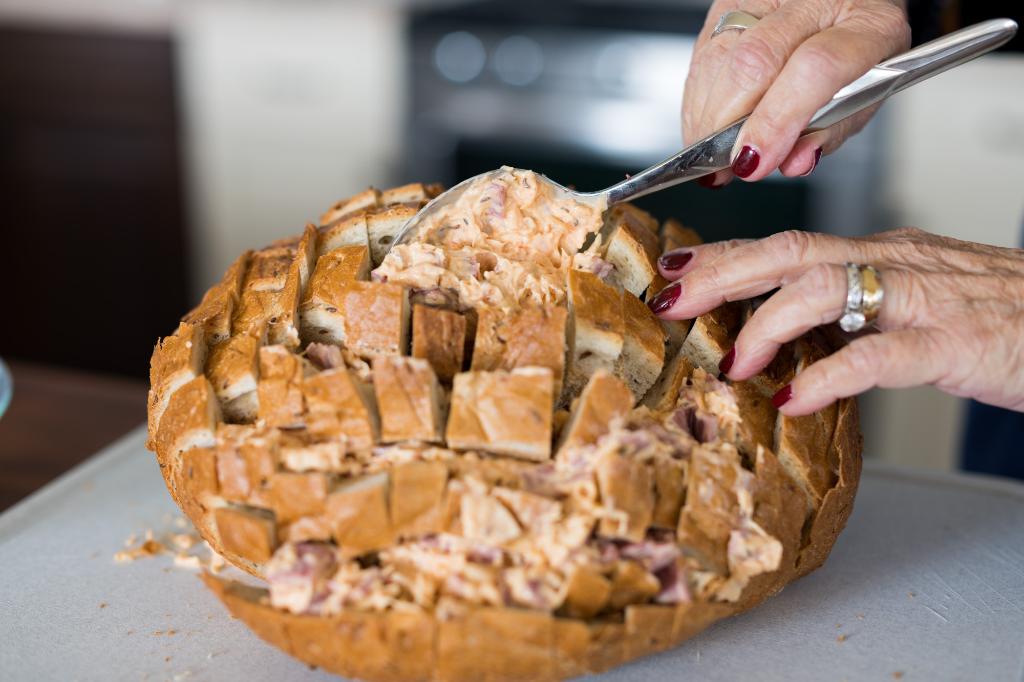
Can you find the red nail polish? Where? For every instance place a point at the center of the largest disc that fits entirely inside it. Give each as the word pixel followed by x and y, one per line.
pixel 708 182
pixel 817 158
pixel 675 261
pixel 746 162
pixel 726 363
pixel 783 396
pixel 665 299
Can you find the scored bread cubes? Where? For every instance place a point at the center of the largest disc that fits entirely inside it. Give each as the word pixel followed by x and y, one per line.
pixel 376 317
pixel 233 368
pixel 417 496
pixel 247 532
pixel 529 337
pixel 597 328
pixel 632 248
pixel 712 335
pixel 357 511
pixel 439 337
pixel 348 231
pixel 369 198
pixel 604 398
pixel 410 400
pixel 177 359
pixel 675 236
pixel 627 493
pixel 502 412
pixel 341 408
pixel 322 309
pixel 279 388
pixel 190 419
pixel 383 226
pixel 802 442
pixel 643 348
pixel 414 193
pixel 214 312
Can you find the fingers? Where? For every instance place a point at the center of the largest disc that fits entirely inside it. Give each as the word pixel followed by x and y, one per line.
pixel 674 264
pixel 816 298
pixel 752 269
pixel 818 68
pixel 909 357
pixel 755 59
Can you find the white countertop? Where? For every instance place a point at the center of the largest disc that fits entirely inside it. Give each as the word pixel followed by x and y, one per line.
pixel 927 581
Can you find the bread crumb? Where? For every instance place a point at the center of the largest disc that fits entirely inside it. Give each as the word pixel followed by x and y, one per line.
pixel 103 604
pixel 911 594
pixel 187 561
pixel 838 625
pixel 898 675
pixel 167 659
pixel 184 541
pixel 171 633
pixel 841 638
pixel 148 548
pixel 860 616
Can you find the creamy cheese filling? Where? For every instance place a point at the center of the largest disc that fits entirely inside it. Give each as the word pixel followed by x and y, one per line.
pixel 508 240
pixel 521 546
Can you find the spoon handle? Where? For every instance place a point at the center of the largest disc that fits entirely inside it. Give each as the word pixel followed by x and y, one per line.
pixel 714 153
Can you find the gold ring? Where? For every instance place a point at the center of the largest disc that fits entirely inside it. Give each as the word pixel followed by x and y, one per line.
pixel 864 295
pixel 734 21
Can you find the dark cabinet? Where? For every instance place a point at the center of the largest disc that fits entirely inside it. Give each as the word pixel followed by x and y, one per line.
pixel 93 248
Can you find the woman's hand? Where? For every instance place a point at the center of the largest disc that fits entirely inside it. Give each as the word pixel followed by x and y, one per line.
pixel 952 314
pixel 783 70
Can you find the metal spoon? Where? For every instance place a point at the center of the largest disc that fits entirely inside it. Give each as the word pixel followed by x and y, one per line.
pixel 714 153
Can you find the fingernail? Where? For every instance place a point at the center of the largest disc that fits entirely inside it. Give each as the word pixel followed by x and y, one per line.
pixel 782 396
pixel 746 162
pixel 814 164
pixel 665 299
pixel 708 182
pixel 726 363
pixel 675 261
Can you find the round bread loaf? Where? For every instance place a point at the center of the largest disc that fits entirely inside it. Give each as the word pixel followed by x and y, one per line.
pixel 476 459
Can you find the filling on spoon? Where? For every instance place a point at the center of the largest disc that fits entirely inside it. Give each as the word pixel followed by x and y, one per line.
pixel 508 240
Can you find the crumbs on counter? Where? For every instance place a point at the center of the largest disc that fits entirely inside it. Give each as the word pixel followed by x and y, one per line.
pixel 103 604
pixel 898 675
pixel 841 638
pixel 189 549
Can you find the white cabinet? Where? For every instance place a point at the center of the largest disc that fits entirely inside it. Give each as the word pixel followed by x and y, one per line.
pixel 287 107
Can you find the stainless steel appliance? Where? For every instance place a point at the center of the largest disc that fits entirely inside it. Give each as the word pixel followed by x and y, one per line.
pixel 587 91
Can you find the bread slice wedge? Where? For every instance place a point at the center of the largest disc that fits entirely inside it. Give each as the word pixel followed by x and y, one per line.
pixel 367 199
pixel 410 398
pixel 439 337
pixel 604 398
pixel 321 313
pixel 643 347
pixel 528 337
pixel 597 329
pixel 507 413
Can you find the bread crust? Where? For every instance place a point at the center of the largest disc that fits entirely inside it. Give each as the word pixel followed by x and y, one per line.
pixel 529 337
pixel 439 337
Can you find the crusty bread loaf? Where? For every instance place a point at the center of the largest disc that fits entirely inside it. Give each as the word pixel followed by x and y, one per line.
pixel 408 535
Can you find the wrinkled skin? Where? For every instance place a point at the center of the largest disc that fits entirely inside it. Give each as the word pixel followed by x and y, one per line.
pixel 783 70
pixel 952 316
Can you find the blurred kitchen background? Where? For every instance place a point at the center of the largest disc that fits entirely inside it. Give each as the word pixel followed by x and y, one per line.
pixel 145 143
